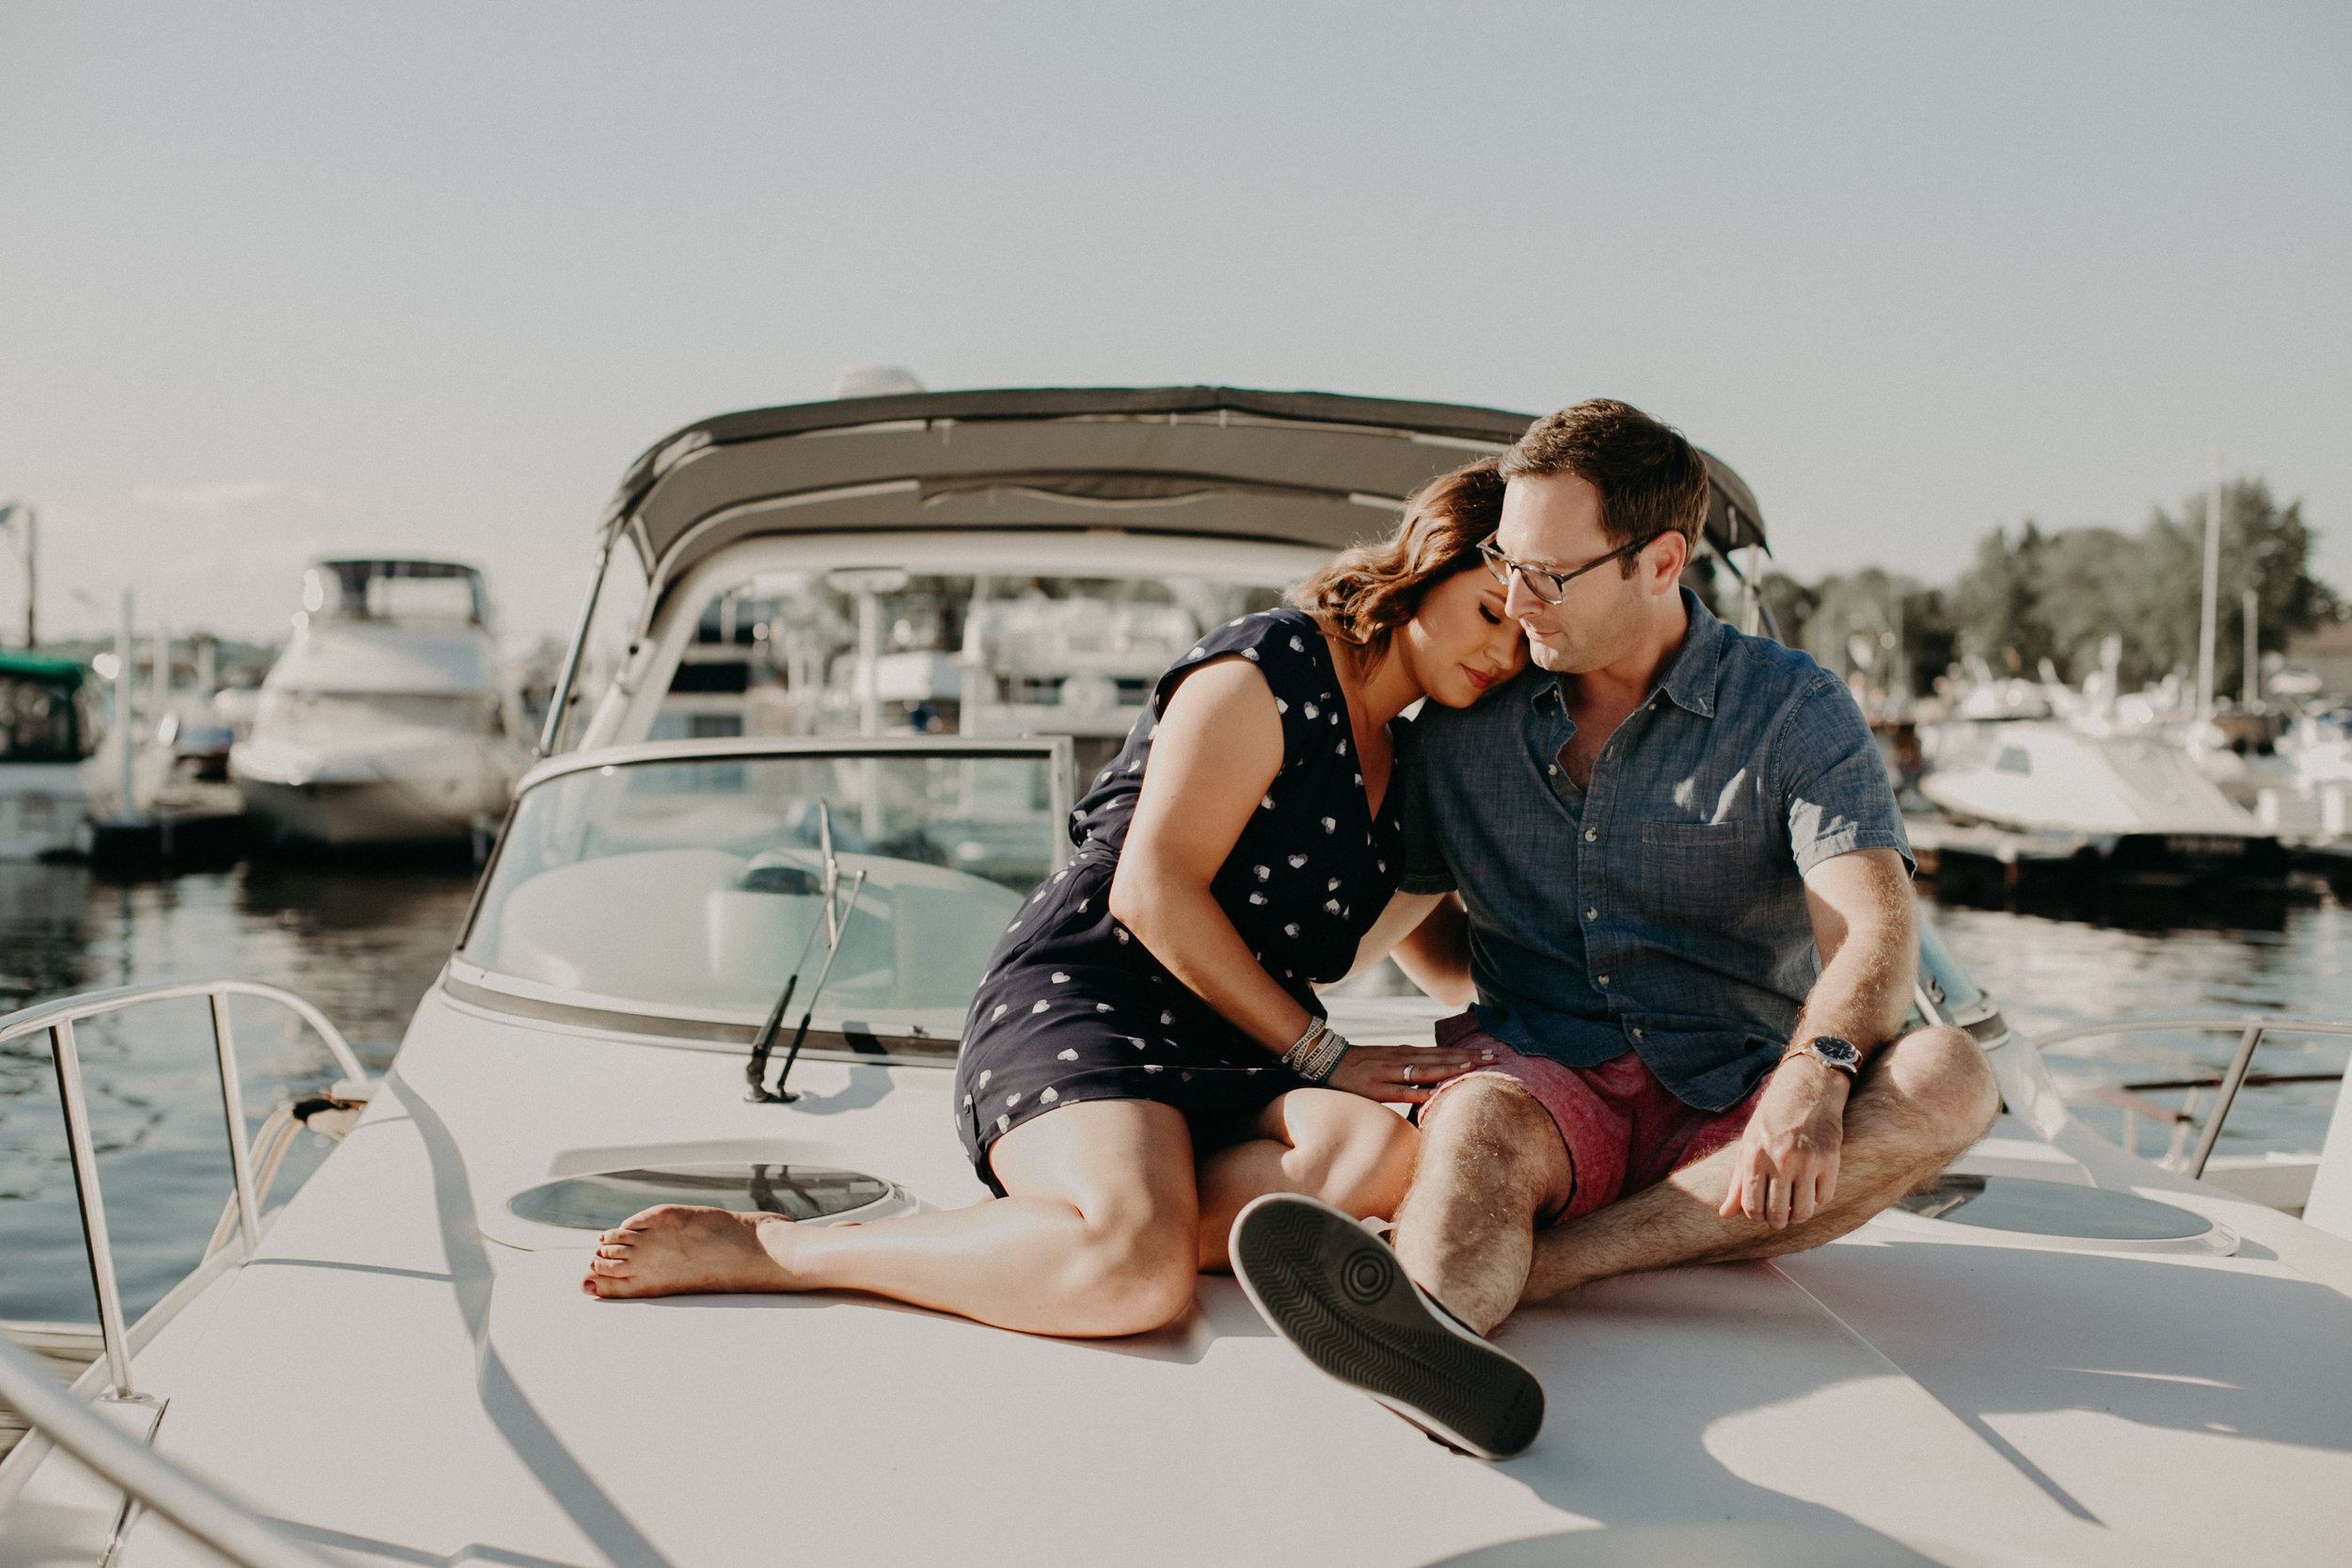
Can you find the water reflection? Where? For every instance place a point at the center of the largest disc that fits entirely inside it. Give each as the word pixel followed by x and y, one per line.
pixel 2049 972
pixel 361 945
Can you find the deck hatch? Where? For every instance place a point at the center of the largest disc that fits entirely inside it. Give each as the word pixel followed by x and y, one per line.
pixel 2053 1209
pixel 804 1193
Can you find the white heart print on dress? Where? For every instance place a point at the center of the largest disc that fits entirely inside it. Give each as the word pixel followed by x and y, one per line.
pixel 1039 1008
pixel 1330 824
pixel 1297 861
pixel 1059 978
pixel 1066 1056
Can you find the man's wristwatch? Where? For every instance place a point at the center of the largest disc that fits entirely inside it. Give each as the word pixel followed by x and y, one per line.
pixel 1829 1052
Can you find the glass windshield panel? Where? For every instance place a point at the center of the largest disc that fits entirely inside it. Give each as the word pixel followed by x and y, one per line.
pixel 976 656
pixel 699 883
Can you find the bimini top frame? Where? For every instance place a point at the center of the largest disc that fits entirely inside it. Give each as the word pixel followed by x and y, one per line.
pixel 1309 469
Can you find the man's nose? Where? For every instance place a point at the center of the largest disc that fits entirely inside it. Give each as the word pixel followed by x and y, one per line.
pixel 1519 601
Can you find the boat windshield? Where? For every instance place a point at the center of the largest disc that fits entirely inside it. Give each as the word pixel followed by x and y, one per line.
pixel 695 883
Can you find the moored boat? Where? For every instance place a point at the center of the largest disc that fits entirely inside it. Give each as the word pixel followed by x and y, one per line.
pixel 45 725
pixel 386 720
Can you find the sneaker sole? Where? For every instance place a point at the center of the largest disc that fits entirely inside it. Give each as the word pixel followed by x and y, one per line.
pixel 1339 1296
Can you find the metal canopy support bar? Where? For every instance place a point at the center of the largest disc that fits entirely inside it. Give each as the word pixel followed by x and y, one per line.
pixel 561 697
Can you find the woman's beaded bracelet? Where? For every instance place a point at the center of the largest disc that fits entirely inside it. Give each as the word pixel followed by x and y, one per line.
pixel 1316 1051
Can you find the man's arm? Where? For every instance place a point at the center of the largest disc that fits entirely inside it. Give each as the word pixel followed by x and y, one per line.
pixel 1866 929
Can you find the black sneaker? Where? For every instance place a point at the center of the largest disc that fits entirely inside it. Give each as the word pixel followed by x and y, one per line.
pixel 1338 1293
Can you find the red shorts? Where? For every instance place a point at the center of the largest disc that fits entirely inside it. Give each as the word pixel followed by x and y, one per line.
pixel 1624 1129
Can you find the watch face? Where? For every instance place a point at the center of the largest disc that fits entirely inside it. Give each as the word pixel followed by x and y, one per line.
pixel 1832 1050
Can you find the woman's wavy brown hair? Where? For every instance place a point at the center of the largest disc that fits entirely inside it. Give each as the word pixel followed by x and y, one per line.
pixel 1366 593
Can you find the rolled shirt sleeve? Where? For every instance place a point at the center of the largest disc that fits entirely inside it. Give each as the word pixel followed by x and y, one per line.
pixel 1834 782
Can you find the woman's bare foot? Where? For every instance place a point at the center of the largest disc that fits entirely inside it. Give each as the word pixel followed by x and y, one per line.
pixel 676 1250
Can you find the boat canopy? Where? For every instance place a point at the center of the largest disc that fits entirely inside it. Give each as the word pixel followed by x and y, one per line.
pixel 64 673
pixel 1310 468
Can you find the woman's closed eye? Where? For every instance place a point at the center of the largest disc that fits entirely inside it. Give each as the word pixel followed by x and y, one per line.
pixel 1490 617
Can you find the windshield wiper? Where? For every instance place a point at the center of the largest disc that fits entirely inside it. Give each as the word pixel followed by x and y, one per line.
pixel 836 925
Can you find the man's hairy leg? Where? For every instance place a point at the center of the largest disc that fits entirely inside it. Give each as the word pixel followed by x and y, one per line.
pixel 1491 1165
pixel 1928 1098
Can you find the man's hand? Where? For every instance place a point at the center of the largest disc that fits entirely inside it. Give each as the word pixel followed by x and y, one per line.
pixel 1787 1163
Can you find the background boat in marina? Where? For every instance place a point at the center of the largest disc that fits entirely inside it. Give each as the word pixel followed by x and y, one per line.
pixel 388 719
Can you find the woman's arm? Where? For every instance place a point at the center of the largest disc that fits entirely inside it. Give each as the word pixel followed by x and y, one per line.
pixel 1216 752
pixel 1435 954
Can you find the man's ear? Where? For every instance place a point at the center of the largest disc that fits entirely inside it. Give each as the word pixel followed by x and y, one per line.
pixel 1665 567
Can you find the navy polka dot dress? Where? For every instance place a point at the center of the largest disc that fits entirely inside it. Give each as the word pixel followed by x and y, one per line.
pixel 1074 1007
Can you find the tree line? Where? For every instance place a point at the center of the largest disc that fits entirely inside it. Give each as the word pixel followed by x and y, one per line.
pixel 2032 594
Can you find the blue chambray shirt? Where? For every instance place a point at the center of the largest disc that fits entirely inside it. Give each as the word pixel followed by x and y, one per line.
pixel 1660 910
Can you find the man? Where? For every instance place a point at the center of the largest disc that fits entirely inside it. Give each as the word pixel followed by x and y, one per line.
pixel 1684 908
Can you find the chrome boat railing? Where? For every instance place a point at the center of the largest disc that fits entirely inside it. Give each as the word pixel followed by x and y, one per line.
pixel 57 1019
pixel 2251 1029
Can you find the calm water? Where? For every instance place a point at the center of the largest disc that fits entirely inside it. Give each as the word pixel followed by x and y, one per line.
pixel 363 947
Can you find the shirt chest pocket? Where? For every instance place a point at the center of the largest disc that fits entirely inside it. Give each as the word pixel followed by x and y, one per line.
pixel 1694 873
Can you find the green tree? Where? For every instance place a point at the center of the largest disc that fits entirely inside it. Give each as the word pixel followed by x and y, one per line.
pixel 2264 547
pixel 1998 602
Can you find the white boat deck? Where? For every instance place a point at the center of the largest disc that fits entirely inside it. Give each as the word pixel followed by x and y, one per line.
pixel 402 1385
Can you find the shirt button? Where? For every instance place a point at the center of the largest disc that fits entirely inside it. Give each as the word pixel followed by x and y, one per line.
pixel 1553 770
pixel 1600 979
pixel 1637 1034
pixel 1590 835
pixel 1592 915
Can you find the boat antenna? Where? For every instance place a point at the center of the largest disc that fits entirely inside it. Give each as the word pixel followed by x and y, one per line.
pixel 755 1070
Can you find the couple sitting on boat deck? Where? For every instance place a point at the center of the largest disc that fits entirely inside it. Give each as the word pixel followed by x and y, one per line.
pixel 1664 860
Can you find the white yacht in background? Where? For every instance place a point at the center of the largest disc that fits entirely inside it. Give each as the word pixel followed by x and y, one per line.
pixel 386 720
pixel 45 725
pixel 2058 1354
pixel 2131 806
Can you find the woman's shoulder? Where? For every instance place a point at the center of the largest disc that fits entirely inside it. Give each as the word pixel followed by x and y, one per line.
pixel 1264 637
pixel 1286 645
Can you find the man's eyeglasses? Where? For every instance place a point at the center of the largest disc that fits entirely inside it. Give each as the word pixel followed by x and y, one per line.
pixel 1536 578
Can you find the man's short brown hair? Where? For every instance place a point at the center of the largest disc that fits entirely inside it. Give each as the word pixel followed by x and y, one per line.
pixel 1651 480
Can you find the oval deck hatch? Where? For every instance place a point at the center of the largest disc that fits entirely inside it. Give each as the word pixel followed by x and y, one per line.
pixel 2052 1209
pixel 604 1199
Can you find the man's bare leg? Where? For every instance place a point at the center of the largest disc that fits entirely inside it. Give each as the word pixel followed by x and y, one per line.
pixel 1928 1098
pixel 1098 1237
pixel 1493 1167
pixel 1349 1151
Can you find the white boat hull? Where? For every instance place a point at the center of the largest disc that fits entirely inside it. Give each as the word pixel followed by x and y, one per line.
pixel 412 810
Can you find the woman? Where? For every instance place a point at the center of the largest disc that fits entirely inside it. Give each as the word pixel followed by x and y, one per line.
pixel 1146 1054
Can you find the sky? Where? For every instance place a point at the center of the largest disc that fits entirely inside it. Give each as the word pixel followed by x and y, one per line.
pixel 288 279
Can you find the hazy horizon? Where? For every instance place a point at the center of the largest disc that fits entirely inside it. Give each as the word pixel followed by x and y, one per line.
pixel 285 282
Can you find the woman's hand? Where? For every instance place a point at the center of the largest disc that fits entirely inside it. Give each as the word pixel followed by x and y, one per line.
pixel 1403 1073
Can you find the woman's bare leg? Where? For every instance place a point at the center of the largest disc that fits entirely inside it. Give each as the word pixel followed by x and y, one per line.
pixel 1352 1153
pixel 1097 1237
